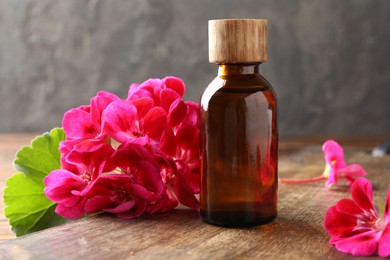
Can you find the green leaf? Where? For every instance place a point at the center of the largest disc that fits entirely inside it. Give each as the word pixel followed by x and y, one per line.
pixel 26 205
pixel 42 157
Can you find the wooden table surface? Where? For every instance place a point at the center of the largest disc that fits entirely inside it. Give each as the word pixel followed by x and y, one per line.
pixel 297 233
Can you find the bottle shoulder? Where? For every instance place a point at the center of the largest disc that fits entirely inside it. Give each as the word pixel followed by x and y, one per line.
pixel 241 86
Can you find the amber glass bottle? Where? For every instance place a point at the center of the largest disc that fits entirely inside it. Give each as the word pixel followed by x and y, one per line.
pixel 239 136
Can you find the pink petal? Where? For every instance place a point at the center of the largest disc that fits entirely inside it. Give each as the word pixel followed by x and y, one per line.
pixel 89 145
pixel 187 136
pixel 149 177
pixel 183 191
pixel 57 178
pixel 136 211
pixel 155 122
pixel 97 204
pixel 176 84
pixel 333 153
pixel 143 105
pixel 92 156
pixel 165 203
pixel 151 88
pixel 60 187
pixel 361 191
pixel 338 224
pixel 119 120
pixel 193 113
pixel 384 242
pixel 177 112
pixel 130 154
pixel 387 208
pixel 140 93
pixel 132 89
pixel 71 212
pixel 78 124
pixel 348 207
pixel 364 244
pixel 168 142
pixel 142 193
pixel 167 97
pixel 98 104
pixel 126 206
pixel 352 170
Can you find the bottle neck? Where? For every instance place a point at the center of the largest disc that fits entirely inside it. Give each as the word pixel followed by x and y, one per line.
pixel 238 69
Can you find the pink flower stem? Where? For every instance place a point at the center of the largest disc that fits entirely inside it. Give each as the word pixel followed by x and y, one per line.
pixel 319 178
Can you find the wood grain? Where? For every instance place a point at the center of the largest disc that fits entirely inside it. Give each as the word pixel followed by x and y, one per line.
pixel 297 233
pixel 237 41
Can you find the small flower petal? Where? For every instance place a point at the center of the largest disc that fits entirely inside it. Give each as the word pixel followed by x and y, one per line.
pixel 333 153
pixel 155 122
pixel 98 104
pixel 384 242
pixel 167 97
pixel 119 120
pixel 348 207
pixel 143 105
pixel 175 83
pixel 78 124
pixel 74 212
pixel 177 112
pixel 338 224
pixel 364 244
pixel 361 191
pixel 387 208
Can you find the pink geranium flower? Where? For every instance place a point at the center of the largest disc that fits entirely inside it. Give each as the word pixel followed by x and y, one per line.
pixel 354 224
pixel 87 158
pixel 116 194
pixel 85 121
pixel 123 122
pixel 335 167
pixel 163 91
pixel 181 143
pixel 129 193
pixel 64 188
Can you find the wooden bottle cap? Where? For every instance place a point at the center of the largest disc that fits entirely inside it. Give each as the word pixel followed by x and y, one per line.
pixel 237 41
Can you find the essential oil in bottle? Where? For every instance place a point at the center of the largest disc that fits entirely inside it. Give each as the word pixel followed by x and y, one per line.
pixel 238 132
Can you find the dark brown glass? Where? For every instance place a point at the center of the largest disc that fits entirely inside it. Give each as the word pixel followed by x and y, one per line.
pixel 239 144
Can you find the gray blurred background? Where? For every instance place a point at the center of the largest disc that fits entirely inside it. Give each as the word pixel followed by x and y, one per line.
pixel 329 61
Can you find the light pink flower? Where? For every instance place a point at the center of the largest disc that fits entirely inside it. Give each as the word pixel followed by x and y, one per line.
pixel 336 167
pixel 354 224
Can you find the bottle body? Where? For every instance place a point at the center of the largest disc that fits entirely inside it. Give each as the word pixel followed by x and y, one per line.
pixel 239 144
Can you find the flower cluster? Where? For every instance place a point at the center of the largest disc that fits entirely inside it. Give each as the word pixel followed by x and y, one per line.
pixel 354 224
pixel 131 156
